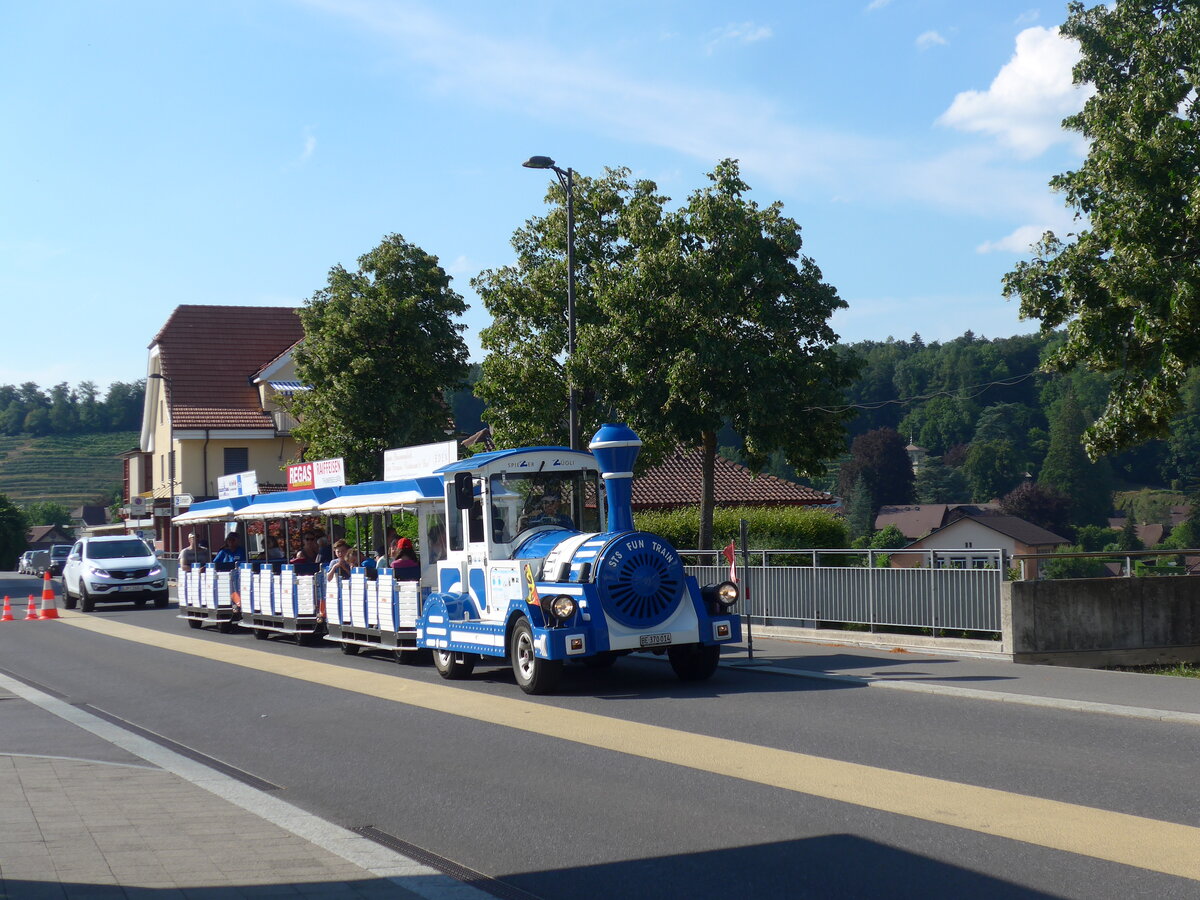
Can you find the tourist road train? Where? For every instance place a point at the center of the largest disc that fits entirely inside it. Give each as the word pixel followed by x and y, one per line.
pixel 515 567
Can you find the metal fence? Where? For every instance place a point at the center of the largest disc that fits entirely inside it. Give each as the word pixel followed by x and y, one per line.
pixel 819 588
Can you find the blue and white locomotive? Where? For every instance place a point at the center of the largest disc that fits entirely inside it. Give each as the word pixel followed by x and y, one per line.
pixel 529 574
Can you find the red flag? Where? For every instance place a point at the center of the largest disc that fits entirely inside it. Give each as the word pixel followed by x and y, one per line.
pixel 728 554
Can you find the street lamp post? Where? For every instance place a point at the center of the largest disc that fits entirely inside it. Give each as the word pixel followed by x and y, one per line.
pixel 567 179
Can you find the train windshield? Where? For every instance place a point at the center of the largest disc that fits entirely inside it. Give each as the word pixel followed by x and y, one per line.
pixel 564 499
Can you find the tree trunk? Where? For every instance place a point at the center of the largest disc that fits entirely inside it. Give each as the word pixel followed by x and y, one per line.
pixel 707 493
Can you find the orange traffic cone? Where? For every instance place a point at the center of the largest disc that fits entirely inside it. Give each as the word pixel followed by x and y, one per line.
pixel 7 615
pixel 49 609
pixel 31 613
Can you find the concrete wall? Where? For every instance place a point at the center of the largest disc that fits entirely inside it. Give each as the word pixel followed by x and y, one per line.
pixel 1102 621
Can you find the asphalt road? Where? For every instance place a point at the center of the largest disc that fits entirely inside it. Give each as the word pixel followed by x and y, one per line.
pixel 593 810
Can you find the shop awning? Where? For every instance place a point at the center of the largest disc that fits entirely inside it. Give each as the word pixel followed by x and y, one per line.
pixel 286 503
pixel 383 496
pixel 211 511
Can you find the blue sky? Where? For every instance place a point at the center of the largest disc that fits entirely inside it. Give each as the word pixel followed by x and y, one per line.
pixel 153 154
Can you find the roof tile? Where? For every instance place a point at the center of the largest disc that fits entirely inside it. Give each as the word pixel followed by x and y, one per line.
pixel 676 482
pixel 210 353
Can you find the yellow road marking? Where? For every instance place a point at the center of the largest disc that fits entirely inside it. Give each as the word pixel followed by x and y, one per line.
pixel 1145 843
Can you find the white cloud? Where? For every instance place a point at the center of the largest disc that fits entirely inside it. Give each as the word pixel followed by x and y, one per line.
pixel 877 4
pixel 744 33
pixel 1028 17
pixel 928 39
pixel 310 145
pixel 1019 241
pixel 1029 97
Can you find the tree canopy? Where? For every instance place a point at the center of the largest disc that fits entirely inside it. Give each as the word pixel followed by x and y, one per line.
pixel 1127 284
pixel 687 320
pixel 380 349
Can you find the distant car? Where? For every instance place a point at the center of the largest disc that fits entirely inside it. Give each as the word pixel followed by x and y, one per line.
pixel 23 563
pixel 39 561
pixel 115 567
pixel 58 556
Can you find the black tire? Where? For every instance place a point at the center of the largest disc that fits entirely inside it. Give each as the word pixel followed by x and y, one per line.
pixel 195 623
pixel 161 602
pixel 261 634
pixel 349 649
pixel 86 602
pixel 140 602
pixel 534 676
pixel 227 626
pixel 453 666
pixel 69 600
pixel 694 662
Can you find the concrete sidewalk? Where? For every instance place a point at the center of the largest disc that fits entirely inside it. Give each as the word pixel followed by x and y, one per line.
pixel 1156 697
pixel 111 815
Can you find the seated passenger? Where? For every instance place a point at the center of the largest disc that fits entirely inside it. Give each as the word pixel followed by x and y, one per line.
pixel 339 567
pixel 405 567
pixel 231 554
pixel 308 554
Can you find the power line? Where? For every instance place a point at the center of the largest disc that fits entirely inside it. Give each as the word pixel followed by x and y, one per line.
pixel 976 388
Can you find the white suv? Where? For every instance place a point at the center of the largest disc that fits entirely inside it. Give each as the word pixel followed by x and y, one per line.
pixel 113 567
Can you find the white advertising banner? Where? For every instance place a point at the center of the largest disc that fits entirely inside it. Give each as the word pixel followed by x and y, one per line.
pixel 240 485
pixel 327 473
pixel 411 462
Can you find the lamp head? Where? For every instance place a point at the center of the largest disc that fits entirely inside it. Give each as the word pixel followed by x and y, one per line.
pixel 538 162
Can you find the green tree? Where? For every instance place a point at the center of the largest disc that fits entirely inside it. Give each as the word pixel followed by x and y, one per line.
pixel 992 470
pixel 1067 468
pixel 686 320
pixel 12 533
pixel 1129 539
pixel 47 512
pixel 860 512
pixel 880 459
pixel 1127 284
pixel 380 349
pixel 938 483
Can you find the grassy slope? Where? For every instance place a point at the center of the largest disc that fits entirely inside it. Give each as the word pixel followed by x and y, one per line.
pixel 68 470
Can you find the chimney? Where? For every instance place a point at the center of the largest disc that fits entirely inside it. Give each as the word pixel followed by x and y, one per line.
pixel 615 448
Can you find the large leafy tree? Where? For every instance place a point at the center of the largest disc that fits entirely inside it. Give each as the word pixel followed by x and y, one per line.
pixel 687 320
pixel 992 469
pixel 880 459
pixel 1127 284
pixel 380 349
pixel 1067 469
pixel 524 374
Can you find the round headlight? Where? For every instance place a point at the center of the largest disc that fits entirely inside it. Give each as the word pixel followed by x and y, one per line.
pixel 727 593
pixel 563 607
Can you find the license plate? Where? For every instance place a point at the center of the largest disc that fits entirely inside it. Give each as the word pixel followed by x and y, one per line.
pixel 131 587
pixel 654 640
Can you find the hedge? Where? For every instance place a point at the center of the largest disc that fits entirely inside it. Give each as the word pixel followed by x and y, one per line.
pixel 770 527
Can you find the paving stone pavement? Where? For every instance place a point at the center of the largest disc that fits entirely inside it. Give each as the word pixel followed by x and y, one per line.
pixel 99 820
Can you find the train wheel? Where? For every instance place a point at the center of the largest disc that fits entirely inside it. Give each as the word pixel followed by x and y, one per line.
pixel 195 623
pixel 694 662
pixel 261 634
pixel 350 649
pixel 534 676
pixel 453 669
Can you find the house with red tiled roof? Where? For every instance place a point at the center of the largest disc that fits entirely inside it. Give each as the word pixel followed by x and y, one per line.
pixel 676 483
pixel 214 376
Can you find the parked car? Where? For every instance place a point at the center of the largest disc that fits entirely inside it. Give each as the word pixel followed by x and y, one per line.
pixel 23 563
pixel 114 567
pixel 39 561
pixel 58 556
